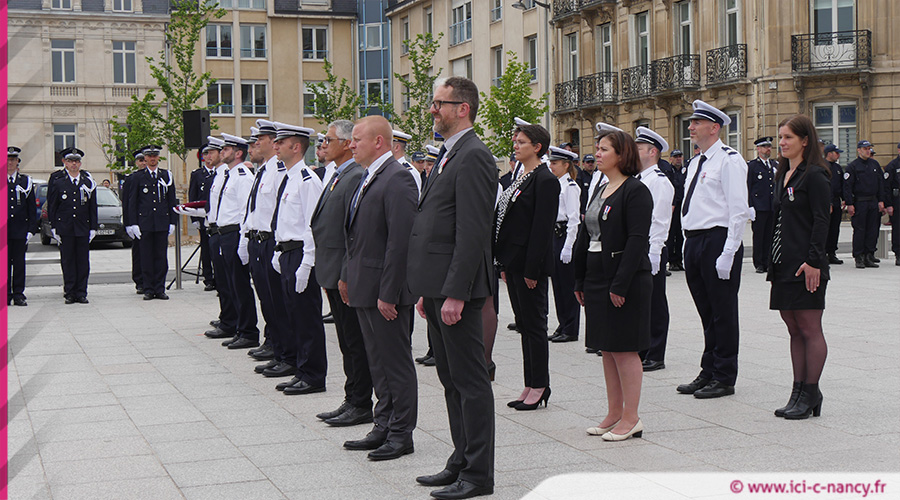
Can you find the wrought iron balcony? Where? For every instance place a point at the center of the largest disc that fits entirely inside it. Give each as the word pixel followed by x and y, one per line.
pixel 599 88
pixel 831 52
pixel 565 8
pixel 726 64
pixel 636 82
pixel 567 95
pixel 675 73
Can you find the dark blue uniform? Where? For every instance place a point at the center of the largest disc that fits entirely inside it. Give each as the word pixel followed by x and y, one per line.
pixel 21 220
pixel 760 189
pixel 72 211
pixel 198 190
pixel 676 237
pixel 892 198
pixel 837 194
pixel 137 273
pixel 583 178
pixel 864 189
pixel 151 199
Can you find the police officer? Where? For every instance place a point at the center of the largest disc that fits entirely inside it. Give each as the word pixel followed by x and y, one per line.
pixel 676 236
pixel 198 190
pixel 584 179
pixel 20 226
pixel 714 214
pixel 72 211
pixel 568 216
pixel 832 153
pixel 418 163
pixel 137 273
pixel 151 200
pixel 892 198
pixel 324 169
pixel 399 143
pixel 864 197
pixel 760 188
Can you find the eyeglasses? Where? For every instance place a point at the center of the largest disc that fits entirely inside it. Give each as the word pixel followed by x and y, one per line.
pixel 436 104
pixel 328 140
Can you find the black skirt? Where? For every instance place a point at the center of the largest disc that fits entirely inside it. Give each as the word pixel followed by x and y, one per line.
pixel 793 296
pixel 611 328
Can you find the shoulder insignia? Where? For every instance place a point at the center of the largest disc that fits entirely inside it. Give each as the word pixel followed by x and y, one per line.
pixel 732 153
pixel 242 171
pixel 305 174
pixel 887 175
pixel 846 175
pixel 281 167
pixel 572 182
pixel 660 174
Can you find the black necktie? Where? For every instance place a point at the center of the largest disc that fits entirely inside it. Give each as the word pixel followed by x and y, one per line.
pixel 278 203
pixel 356 195
pixel 221 192
pixel 690 193
pixel 255 188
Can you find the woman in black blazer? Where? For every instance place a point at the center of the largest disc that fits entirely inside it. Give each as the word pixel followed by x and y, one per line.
pixel 613 282
pixel 523 248
pixel 798 264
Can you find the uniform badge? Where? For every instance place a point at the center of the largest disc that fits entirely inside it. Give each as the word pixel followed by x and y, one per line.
pixel 790 192
pixel 846 175
pixel 887 175
pixel 606 211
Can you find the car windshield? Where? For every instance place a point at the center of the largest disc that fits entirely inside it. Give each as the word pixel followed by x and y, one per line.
pixel 106 198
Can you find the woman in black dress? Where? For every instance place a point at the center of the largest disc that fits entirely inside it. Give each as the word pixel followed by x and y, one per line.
pixel 523 248
pixel 798 264
pixel 613 282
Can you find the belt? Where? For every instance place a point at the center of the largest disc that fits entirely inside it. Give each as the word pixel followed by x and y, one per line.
pixel 864 198
pixel 287 246
pixel 228 229
pixel 212 229
pixel 259 236
pixel 690 233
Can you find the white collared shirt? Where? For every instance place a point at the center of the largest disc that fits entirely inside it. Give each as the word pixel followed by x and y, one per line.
pixel 376 165
pixel 569 208
pixel 260 219
pixel 329 172
pixel 663 193
pixel 297 204
pixel 234 196
pixel 212 209
pixel 720 195
pixel 453 139
pixel 597 179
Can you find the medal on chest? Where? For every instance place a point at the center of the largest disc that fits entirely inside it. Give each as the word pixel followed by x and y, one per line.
pixel 441 166
pixel 790 192
pixel 606 210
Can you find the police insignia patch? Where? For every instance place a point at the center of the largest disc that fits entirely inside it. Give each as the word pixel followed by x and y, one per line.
pixel 846 175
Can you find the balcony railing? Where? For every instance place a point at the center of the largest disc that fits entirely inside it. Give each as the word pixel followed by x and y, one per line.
pixel 726 64
pixel 567 95
pixel 599 88
pixel 675 73
pixel 829 52
pixel 636 82
pixel 565 8
pixel 63 91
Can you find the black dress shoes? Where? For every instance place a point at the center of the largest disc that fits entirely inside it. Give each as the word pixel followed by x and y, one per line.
pixel 833 259
pixel 82 300
pixel 591 350
pixel 462 489
pixel 429 361
pixel 715 389
pixel 231 340
pixel 263 367
pixel 352 416
pixel 70 299
pixel 243 343
pixel 445 477
pixel 391 450
pixel 263 353
pixel 562 337
pixel 162 296
pixel 282 385
pixel 372 441
pixel 303 387
pixel 651 366
pixel 760 270
pixel 215 323
pixel 696 385
pixel 149 296
pixel 325 415
pixel 281 369
pixel 675 266
pixel 421 359
pixel 139 291
pixel 209 287
pixel 217 333
pixel 555 334
pixel 20 301
pixel 511 326
pixel 328 318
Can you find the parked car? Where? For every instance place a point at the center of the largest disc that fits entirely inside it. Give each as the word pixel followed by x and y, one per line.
pixel 109 213
pixel 40 195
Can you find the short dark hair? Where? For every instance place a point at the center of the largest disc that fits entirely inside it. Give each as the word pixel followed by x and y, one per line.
pixel 624 146
pixel 537 135
pixel 466 91
pixel 303 141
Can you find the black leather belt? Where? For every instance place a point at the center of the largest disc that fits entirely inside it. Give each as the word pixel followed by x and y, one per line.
pixel 259 236
pixel 287 246
pixel 864 198
pixel 698 232
pixel 231 228
pixel 212 229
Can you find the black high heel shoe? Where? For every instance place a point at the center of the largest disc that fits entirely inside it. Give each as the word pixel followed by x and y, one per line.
pixel 545 398
pixel 795 395
pixel 492 370
pixel 809 402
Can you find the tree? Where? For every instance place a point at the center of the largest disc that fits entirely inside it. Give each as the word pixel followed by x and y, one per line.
pixel 140 128
pixel 180 84
pixel 507 100
pixel 418 89
pixel 332 100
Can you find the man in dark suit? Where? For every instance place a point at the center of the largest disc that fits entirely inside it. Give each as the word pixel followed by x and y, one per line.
pixel 676 236
pixel 137 274
pixel 892 202
pixel 832 154
pixel 20 226
pixel 331 247
pixel 378 224
pixel 151 200
pixel 198 190
pixel 760 189
pixel 72 211
pixel 450 266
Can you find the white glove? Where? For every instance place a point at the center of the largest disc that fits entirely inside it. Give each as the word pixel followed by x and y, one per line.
pixel 276 265
pixel 56 236
pixel 566 255
pixel 135 232
pixel 752 214
pixel 196 224
pixel 128 232
pixel 171 229
pixel 91 235
pixel 28 236
pixel 302 276
pixel 243 251
pixel 654 263
pixel 723 266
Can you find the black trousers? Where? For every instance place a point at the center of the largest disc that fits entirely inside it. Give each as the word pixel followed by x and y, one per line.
pixel 834 228
pixel 568 311
pixel 530 307
pixel 16 270
pixel 271 303
pixel 676 239
pixel 866 222
pixel 304 345
pixel 763 229
pixel 659 314
pixel 716 301
pixel 228 313
pixel 895 226
pixel 74 258
pixel 154 261
pixel 393 372
pixel 137 272
pixel 459 358
pixel 206 266
pixel 237 279
pixel 358 385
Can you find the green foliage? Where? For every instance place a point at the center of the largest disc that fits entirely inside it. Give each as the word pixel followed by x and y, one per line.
pixel 333 100
pixel 509 99
pixel 140 128
pixel 418 88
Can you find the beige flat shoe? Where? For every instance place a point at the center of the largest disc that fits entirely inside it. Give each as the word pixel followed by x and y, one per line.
pixel 636 431
pixel 599 431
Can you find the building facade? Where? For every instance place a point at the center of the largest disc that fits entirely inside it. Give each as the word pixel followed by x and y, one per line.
pixel 642 62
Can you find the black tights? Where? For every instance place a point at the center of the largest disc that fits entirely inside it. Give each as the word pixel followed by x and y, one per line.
pixel 808 348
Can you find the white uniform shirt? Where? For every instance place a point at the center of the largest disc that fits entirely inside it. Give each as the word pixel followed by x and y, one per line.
pixel 234 196
pixel 663 193
pixel 569 208
pixel 266 197
pixel 329 173
pixel 212 209
pixel 720 195
pixel 597 180
pixel 298 201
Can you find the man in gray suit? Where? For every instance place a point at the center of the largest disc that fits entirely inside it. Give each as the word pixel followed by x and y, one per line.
pixel 328 231
pixel 378 224
pixel 450 267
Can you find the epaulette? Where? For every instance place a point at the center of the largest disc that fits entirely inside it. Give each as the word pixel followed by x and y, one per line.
pixel 305 174
pixel 660 173
pixel 242 170
pixel 572 182
pixel 728 150
pixel 281 167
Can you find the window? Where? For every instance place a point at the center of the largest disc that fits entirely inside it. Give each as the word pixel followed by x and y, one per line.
pixel 122 6
pixel 731 35
pixel 531 46
pixel 461 27
pixel 404 36
pixel 496 10
pixel 733 131
pixel 832 15
pixel 529 4
pixel 314 43
pixel 252 4
pixel 61 5
pixel 62 55
pixel 123 62
pixel 219 98
pixel 253 41
pixel 683 27
pixel 570 56
pixel 462 67
pixel 253 99
pixel 643 122
pixel 63 137
pixel 496 65
pixel 376 91
pixel 309 99
pixel 429 21
pixel 685 137
pixel 218 40
pixel 604 48
pixel 641 39
pixel 836 124
pixel 405 102
pixel 370 37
